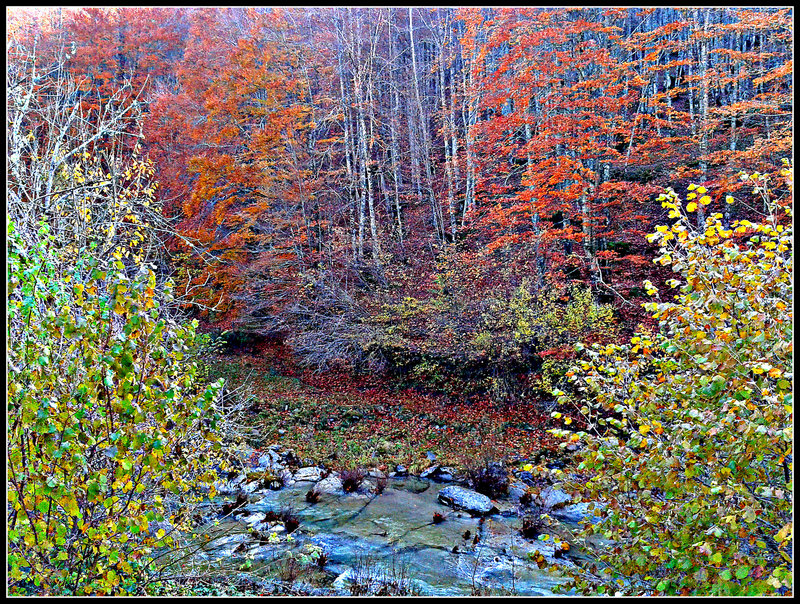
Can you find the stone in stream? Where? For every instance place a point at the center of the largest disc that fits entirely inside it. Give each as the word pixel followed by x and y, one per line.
pixel 471 501
pixel 251 487
pixel 332 485
pixel 308 474
pixel 155 526
pixel 553 498
pixel 438 474
pixel 516 491
pixel 253 518
pixel 578 512
pixel 224 547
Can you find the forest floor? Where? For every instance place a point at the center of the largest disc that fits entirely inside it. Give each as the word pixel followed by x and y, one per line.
pixel 347 421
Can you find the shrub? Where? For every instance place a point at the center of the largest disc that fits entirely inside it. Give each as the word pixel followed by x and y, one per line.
pixel 109 429
pixel 351 479
pixel 491 479
pixel 289 519
pixel 532 524
pixel 697 463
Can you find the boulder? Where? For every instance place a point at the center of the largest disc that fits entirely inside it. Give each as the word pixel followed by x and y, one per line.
pixel 253 518
pixel 438 474
pixel 308 474
pixel 516 491
pixel 466 499
pixel 552 498
pixel 429 472
pixel 287 477
pixel 578 512
pixel 401 470
pixel 526 477
pixel 263 462
pixel 251 487
pixel 332 485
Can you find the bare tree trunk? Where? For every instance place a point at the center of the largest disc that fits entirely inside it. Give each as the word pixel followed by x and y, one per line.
pixel 446 128
pixel 704 86
pixel 393 127
pixel 425 155
pixel 358 242
pixel 469 117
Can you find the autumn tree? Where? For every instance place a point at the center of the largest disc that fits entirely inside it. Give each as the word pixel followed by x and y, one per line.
pixel 688 437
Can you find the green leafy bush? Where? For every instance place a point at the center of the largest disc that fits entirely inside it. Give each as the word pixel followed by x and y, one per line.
pixel 110 433
pixel 689 430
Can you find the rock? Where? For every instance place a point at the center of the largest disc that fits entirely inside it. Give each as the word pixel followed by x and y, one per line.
pixel 281 431
pixel 229 487
pixel 474 503
pixel 553 498
pixel 506 509
pixel 332 485
pixel 287 477
pixel 516 491
pixel 251 487
pixel 153 528
pixel 401 470
pixel 578 512
pixel 412 484
pixel 430 455
pixel 225 546
pixel 429 472
pixel 526 477
pixel 253 518
pixel 376 474
pixel 438 474
pixel 264 461
pixel 308 474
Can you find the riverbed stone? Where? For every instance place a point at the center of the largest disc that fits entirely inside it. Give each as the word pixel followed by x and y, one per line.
pixel 308 474
pixel 579 512
pixel 250 487
pixel 553 498
pixel 438 474
pixel 332 485
pixel 225 547
pixel 516 490
pixel 466 499
pixel 253 518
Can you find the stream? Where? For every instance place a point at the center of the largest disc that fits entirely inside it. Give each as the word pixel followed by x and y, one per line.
pixel 365 535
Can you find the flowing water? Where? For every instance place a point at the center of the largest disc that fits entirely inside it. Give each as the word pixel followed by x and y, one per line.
pixel 396 530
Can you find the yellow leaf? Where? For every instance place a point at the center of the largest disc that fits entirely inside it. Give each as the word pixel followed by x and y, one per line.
pixel 782 534
pixel 705 200
pixel 644 429
pixel 691 207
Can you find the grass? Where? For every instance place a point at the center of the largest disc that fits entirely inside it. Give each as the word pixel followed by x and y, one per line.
pixel 347 421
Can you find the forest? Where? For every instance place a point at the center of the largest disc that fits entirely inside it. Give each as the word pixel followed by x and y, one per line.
pixel 399 301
